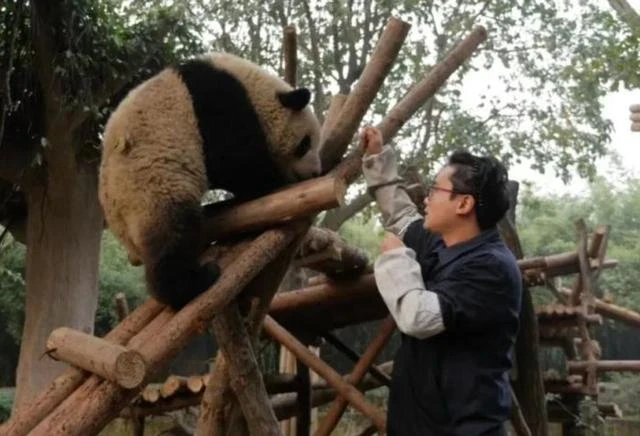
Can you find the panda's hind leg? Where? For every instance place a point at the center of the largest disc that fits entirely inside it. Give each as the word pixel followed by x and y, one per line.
pixel 172 270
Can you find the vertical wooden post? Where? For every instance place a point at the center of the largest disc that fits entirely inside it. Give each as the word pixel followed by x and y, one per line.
pixel 303 383
pixel 528 387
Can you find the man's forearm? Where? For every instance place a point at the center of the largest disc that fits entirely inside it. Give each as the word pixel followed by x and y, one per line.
pixel 381 173
pixel 415 309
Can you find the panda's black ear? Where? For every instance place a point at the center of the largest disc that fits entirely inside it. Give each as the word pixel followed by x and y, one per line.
pixel 295 100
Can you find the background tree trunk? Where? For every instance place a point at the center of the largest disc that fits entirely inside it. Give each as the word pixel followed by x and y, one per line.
pixel 63 232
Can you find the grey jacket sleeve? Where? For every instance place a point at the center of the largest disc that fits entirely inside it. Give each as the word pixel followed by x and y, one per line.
pixel 398 211
pixel 415 309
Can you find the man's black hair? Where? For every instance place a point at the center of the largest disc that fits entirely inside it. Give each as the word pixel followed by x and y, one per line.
pixel 485 178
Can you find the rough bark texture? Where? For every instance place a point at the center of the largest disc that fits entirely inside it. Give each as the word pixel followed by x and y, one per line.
pixel 302 199
pixel 256 300
pixel 32 413
pixel 364 92
pixel 110 361
pixel 244 374
pixel 355 397
pixel 62 270
pixel 334 414
pixel 90 407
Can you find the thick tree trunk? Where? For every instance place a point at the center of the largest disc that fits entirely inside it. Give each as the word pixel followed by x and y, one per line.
pixel 63 247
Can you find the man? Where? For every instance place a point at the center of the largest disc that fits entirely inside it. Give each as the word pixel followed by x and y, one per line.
pixel 454 290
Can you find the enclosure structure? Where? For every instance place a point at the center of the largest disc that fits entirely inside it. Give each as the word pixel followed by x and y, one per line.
pixel 256 242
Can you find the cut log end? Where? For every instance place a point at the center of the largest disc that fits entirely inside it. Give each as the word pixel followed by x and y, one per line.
pixel 130 369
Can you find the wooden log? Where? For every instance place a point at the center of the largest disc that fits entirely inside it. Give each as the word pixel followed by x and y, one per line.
pixel 354 396
pixel 517 418
pixel 635 127
pixel 335 107
pixel 122 307
pixel 244 375
pixel 417 96
pixel 257 295
pixel 26 418
pixel 635 117
pixel 334 414
pixel 618 313
pixel 558 412
pixel 326 251
pixel 151 393
pixel 634 108
pixel 303 391
pixel 299 200
pixel 91 406
pixel 290 50
pixel 426 88
pixel 173 385
pixel 98 356
pixel 353 356
pixel 195 383
pixel 364 91
pixel 576 367
pixel 284 404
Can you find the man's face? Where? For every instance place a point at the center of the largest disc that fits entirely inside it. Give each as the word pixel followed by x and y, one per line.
pixel 442 209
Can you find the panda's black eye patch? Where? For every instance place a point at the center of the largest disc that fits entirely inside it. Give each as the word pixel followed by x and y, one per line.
pixel 303 147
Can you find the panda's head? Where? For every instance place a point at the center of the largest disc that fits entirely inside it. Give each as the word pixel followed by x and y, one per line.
pixel 292 130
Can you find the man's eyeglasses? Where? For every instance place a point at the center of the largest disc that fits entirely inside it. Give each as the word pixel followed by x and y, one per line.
pixel 432 188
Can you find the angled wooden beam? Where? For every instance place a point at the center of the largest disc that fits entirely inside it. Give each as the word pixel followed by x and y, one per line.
pixel 355 397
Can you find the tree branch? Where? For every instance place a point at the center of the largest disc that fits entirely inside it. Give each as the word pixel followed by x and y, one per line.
pixel 336 217
pixel 626 13
pixel 318 101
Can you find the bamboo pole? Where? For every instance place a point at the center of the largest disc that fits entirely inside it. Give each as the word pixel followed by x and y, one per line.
pixel 27 417
pixel 299 200
pixel 91 406
pixel 365 90
pixel 290 54
pixel 359 371
pixel 325 371
pixel 110 361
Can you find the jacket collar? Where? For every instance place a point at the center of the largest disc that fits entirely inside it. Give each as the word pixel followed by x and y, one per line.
pixel 449 254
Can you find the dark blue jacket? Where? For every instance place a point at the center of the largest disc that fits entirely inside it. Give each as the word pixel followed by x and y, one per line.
pixel 456 383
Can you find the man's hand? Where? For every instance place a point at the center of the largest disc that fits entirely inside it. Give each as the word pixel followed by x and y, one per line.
pixel 371 140
pixel 390 242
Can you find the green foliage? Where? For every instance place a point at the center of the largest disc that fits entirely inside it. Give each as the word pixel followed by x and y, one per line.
pixel 365 233
pixel 6 403
pixel 532 91
pixel 116 275
pixel 89 54
pixel 12 296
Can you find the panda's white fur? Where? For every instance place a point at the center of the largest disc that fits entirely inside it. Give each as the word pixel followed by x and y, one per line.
pixel 217 121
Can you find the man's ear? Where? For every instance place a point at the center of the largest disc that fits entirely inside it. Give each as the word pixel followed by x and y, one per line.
pixel 466 205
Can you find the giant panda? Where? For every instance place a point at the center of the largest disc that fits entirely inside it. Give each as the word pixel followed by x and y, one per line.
pixel 216 121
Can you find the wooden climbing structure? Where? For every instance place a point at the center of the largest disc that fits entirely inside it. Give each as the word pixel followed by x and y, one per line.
pixel 256 242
